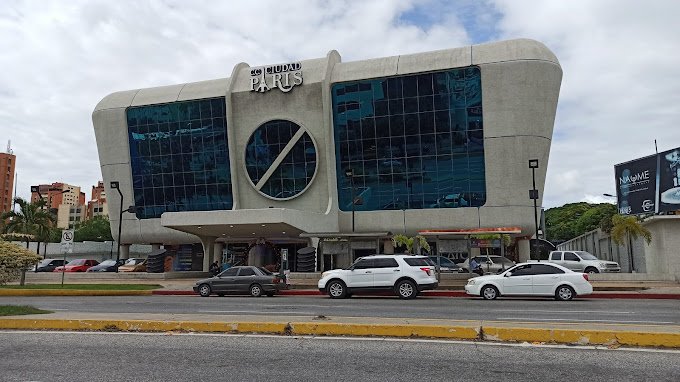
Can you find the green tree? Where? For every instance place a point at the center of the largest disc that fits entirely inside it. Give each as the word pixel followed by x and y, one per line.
pixel 96 229
pixel 628 228
pixel 31 221
pixel 409 242
pixel 575 219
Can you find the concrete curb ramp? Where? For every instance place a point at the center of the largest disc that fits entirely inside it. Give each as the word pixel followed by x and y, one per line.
pixel 640 336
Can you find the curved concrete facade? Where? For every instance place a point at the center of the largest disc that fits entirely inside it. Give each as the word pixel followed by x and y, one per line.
pixel 520 82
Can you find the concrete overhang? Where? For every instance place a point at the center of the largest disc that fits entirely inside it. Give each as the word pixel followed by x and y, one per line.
pixel 264 222
pixel 348 235
pixel 443 233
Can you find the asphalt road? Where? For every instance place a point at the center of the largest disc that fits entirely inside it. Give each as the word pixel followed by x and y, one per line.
pixel 618 311
pixel 91 357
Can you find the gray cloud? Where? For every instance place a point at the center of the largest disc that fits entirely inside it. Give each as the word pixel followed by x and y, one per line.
pixel 620 88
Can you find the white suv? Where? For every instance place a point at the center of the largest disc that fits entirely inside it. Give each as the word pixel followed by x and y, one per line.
pixel 406 275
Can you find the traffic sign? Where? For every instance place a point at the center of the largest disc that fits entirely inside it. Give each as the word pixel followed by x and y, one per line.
pixel 67 241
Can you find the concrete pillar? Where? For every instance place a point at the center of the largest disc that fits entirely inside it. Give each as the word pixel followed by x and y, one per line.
pixel 155 246
pixel 316 243
pixel 256 255
pixel 218 249
pixel 208 243
pixel 125 251
pixel 523 250
pixel 388 247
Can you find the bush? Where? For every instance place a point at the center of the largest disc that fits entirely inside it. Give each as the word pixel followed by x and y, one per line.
pixel 14 260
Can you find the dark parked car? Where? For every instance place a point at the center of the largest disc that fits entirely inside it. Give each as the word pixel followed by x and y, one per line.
pixel 239 280
pixel 48 265
pixel 106 266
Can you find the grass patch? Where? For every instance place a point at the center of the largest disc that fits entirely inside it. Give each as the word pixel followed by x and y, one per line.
pixel 86 286
pixel 19 310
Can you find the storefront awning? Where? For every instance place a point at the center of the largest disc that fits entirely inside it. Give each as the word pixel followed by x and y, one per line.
pixel 472 231
pixel 348 235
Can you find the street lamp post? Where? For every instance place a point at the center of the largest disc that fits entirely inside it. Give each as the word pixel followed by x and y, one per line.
pixel 116 185
pixel 533 194
pixel 350 174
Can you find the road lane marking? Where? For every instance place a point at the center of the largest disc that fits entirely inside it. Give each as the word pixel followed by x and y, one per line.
pixel 571 320
pixel 563 311
pixel 260 312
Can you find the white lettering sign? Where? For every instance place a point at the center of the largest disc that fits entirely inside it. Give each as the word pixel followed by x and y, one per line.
pixel 283 77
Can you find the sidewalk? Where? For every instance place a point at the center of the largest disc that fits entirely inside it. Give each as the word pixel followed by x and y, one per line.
pixel 497 331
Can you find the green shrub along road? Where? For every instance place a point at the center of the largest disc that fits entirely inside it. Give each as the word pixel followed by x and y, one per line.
pixel 19 310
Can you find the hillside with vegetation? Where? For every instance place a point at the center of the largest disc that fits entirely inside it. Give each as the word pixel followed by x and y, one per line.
pixel 574 219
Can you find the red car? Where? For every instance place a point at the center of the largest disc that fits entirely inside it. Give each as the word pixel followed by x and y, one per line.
pixel 77 265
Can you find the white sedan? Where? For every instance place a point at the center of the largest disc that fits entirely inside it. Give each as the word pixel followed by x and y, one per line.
pixel 531 279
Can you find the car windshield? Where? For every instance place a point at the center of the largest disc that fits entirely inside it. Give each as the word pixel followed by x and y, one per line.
pixel 108 262
pixel 76 262
pixel 586 255
pixel 45 263
pixel 133 261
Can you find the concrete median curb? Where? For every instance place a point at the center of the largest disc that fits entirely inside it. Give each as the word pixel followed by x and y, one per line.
pixel 464 330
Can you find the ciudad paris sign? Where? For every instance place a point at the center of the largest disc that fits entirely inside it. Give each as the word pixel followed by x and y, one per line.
pixel 282 76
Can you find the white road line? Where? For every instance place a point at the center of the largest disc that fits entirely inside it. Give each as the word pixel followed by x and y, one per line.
pixel 571 320
pixel 562 311
pixel 259 312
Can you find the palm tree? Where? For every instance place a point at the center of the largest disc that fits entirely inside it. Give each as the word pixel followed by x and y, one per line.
pixel 409 242
pixel 628 228
pixel 30 221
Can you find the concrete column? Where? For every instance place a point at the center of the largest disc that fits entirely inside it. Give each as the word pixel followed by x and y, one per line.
pixel 218 249
pixel 389 247
pixel 125 251
pixel 155 246
pixel 256 255
pixel 523 250
pixel 315 242
pixel 208 243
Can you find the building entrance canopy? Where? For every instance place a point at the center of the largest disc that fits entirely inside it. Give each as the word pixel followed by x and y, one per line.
pixel 453 233
pixel 247 223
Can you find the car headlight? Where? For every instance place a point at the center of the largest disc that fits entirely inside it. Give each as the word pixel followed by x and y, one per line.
pixel 471 282
pixel 603 265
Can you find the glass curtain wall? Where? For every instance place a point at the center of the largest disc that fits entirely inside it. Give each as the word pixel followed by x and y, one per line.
pixel 179 157
pixel 412 142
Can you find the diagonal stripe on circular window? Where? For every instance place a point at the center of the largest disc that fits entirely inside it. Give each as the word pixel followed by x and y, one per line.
pixel 281 159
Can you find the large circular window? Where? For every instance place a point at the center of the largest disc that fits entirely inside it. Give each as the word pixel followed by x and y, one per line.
pixel 281 159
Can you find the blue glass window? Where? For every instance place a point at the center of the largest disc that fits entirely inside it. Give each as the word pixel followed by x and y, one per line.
pixel 179 157
pixel 412 142
pixel 293 174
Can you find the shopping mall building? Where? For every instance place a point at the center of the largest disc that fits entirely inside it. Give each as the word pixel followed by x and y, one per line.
pixel 337 156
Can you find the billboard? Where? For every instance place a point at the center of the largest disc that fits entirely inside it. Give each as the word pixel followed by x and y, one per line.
pixel 669 180
pixel 649 185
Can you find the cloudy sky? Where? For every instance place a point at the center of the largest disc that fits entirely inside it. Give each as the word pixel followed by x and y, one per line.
pixel 620 90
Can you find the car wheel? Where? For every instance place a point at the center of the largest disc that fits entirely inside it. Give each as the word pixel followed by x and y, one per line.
pixel 564 293
pixel 592 271
pixel 489 292
pixel 256 290
pixel 336 289
pixel 204 290
pixel 406 289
